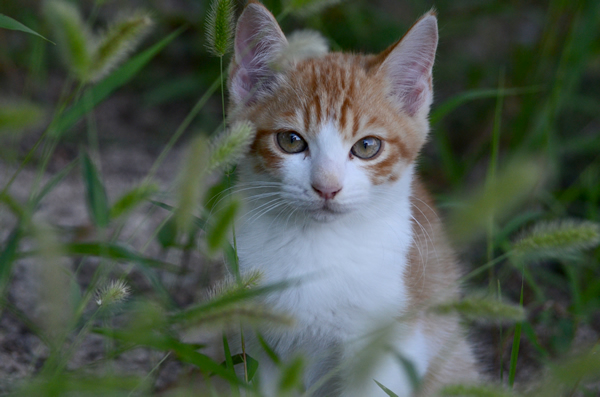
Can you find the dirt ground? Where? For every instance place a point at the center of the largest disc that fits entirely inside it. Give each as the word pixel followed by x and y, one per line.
pixel 131 138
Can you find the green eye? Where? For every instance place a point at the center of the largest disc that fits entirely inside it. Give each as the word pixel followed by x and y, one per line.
pixel 291 142
pixel 366 148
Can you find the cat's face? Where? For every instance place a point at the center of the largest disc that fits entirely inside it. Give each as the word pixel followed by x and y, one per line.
pixel 333 132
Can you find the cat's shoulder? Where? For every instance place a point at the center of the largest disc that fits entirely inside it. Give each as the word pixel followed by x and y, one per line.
pixel 433 269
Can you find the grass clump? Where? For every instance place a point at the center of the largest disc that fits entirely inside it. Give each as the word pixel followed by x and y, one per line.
pixel 100 279
pixel 91 57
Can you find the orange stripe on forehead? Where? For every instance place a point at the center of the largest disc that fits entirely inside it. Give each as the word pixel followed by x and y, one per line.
pixel 306 119
pixel 356 123
pixel 373 121
pixel 316 101
pixel 344 110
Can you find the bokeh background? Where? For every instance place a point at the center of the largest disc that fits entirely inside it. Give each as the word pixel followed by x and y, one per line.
pixel 512 80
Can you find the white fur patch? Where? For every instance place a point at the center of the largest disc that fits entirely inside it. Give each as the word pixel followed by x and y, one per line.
pixel 349 259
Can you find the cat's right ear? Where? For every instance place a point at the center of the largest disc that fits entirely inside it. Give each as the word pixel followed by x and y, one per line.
pixel 258 42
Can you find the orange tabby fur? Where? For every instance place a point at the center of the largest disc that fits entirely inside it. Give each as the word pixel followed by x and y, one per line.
pixel 351 91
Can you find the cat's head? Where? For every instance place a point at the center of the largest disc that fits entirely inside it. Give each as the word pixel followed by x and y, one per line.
pixel 333 130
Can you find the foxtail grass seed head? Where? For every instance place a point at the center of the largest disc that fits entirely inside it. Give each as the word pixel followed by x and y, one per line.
pixel 303 44
pixel 231 145
pixel 117 43
pixel 114 292
pixel 74 40
pixel 306 8
pixel 482 310
pixel 557 239
pixel 219 27
pixel 231 310
pixel 230 285
pixel 251 313
pixel 191 182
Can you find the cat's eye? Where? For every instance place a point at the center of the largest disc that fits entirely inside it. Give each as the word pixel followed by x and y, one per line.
pixel 367 147
pixel 291 142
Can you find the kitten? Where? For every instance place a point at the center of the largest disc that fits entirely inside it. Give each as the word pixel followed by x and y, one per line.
pixel 332 199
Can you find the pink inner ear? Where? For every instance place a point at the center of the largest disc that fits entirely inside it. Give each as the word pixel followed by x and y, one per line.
pixel 409 66
pixel 258 40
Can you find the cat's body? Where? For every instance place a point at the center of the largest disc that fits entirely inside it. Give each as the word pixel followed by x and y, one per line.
pixel 332 201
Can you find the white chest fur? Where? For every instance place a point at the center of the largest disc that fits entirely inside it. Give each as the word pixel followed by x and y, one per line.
pixel 349 270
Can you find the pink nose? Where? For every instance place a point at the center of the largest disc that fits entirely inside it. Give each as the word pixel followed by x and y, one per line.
pixel 327 192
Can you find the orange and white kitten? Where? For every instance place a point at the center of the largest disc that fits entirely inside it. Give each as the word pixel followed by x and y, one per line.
pixel 332 199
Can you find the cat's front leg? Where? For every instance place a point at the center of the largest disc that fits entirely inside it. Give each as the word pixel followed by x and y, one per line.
pixel 396 359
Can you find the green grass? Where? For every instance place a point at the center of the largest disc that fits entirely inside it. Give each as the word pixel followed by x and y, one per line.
pixel 514 151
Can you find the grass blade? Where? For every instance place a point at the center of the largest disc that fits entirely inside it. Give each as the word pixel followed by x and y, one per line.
pixel 7 22
pixel 7 257
pixel 449 105
pixel 386 390
pixel 132 199
pixel 268 349
pixel 229 364
pixel 199 222
pixel 514 355
pixel 112 251
pixel 186 352
pixel 13 205
pixel 96 193
pixel 189 314
pixel 251 364
pixel 217 233
pixel 291 376
pixel 52 183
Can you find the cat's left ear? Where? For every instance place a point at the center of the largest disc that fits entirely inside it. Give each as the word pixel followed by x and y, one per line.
pixel 408 64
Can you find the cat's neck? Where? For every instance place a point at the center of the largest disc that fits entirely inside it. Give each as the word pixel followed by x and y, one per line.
pixel 380 233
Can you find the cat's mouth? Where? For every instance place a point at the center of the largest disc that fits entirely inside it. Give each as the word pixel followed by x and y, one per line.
pixel 327 211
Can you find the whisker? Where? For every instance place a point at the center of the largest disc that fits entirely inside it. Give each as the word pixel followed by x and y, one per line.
pixel 265 211
pixel 261 210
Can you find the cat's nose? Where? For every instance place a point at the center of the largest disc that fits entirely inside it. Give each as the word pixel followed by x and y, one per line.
pixel 327 192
